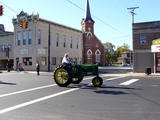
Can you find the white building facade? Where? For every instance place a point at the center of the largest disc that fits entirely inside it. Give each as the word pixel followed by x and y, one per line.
pixel 45 42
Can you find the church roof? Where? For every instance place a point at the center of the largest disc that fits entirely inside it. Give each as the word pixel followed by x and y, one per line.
pixel 87 12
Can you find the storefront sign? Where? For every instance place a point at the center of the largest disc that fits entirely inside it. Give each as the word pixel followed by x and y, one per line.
pixel 155 48
pixel 155 42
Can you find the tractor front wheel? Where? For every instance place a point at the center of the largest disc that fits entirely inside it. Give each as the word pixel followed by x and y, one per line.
pixel 62 77
pixel 97 81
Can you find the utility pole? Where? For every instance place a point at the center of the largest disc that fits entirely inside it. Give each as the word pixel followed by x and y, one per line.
pixel 49 44
pixel 133 54
pixel 132 12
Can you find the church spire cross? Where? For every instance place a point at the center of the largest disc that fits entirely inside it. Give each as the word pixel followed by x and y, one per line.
pixel 87 12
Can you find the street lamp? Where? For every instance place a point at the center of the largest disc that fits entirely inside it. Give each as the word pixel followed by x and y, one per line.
pixel 7 48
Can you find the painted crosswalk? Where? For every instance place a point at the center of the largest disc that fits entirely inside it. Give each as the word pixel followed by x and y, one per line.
pixel 2 111
pixel 129 82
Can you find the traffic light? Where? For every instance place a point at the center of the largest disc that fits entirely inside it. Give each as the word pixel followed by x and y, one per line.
pixel 1 10
pixel 24 24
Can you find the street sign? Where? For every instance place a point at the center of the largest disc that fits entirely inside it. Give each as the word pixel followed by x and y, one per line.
pixel 155 48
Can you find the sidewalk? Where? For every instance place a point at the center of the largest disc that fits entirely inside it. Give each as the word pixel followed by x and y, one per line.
pixel 109 72
pixel 33 72
pixel 124 71
pixel 131 74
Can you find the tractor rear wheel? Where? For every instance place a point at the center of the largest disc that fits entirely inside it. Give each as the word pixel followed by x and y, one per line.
pixel 62 77
pixel 97 81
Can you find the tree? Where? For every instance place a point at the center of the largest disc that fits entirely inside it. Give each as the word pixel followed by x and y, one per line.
pixel 109 47
pixel 123 48
pixel 110 53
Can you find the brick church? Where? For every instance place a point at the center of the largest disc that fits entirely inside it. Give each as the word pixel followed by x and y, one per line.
pixel 93 49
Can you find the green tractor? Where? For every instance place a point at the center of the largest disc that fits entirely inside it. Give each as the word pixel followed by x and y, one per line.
pixel 67 74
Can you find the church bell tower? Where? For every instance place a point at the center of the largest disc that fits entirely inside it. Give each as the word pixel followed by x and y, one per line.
pixel 93 49
pixel 87 21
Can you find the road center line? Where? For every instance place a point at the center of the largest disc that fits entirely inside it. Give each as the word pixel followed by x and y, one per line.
pixel 129 82
pixel 42 99
pixel 37 88
pixel 27 90
pixel 32 89
pixel 36 100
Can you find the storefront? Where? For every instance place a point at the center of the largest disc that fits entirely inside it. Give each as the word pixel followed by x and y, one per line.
pixel 155 48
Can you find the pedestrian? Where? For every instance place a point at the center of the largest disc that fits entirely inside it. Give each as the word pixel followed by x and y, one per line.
pixel 38 68
pixel 19 67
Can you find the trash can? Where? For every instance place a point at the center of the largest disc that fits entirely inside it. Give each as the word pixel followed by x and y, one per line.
pixel 148 71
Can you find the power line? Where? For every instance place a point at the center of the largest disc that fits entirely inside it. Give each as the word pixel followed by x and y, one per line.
pixel 115 29
pixel 95 17
pixel 8 7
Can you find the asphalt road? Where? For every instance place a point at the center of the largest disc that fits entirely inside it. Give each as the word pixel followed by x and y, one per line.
pixel 26 96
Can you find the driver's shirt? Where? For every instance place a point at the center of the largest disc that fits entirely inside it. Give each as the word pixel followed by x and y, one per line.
pixel 65 60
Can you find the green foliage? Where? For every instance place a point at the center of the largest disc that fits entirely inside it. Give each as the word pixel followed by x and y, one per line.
pixel 112 54
pixel 123 48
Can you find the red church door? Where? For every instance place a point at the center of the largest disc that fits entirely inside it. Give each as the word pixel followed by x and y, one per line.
pixel 89 61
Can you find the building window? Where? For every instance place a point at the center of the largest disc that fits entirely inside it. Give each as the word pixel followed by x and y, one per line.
pixel 97 45
pixel 29 38
pixel 143 38
pixel 98 56
pixel 89 54
pixel 57 40
pixel 71 43
pixel 39 37
pixel 61 60
pixel 27 61
pixel 75 60
pixel 24 38
pixel 43 61
pixel 77 45
pixel 64 44
pixel 53 60
pixel 19 39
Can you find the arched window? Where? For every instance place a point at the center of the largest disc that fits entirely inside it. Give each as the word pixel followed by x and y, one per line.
pixel 89 56
pixel 98 56
pixel 89 53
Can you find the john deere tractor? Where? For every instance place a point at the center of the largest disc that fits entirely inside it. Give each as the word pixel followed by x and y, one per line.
pixel 67 74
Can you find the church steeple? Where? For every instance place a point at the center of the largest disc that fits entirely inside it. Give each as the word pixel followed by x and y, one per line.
pixel 87 12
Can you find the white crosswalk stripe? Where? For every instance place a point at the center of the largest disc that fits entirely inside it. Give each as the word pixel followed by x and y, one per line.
pixel 129 82
pixel 2 111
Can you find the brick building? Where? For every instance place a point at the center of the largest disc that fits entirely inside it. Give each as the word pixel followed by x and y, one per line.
pixel 125 57
pixel 93 49
pixel 143 36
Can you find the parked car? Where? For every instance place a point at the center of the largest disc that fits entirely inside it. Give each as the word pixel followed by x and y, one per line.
pixel 126 65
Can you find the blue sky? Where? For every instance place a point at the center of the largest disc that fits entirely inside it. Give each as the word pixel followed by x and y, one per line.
pixel 117 19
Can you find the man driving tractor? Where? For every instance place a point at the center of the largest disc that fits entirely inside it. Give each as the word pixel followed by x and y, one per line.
pixel 66 59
